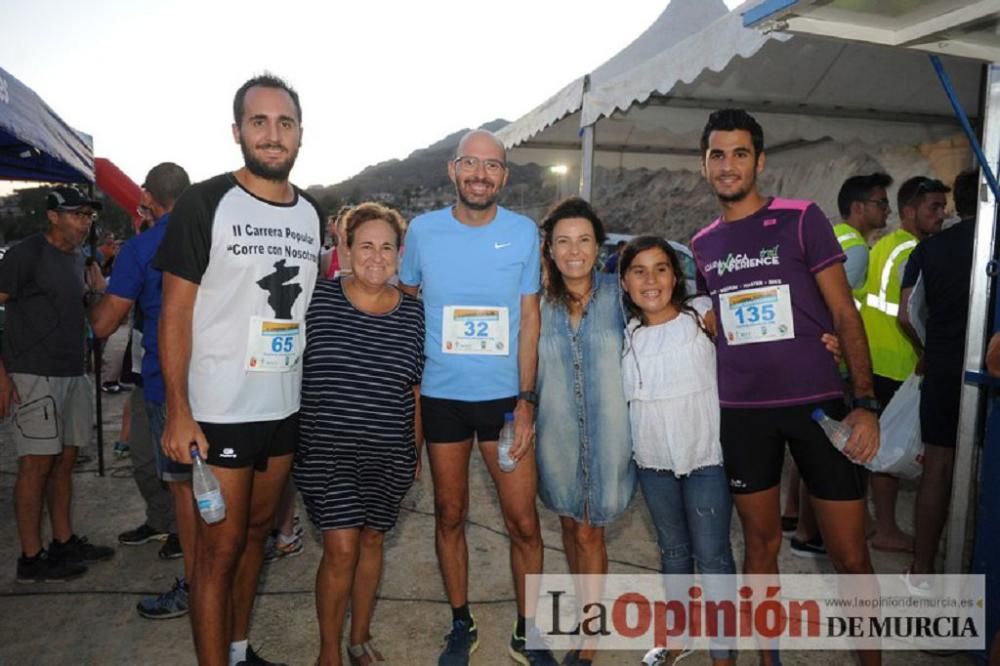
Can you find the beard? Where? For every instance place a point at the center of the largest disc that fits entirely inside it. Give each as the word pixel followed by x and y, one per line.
pixel 273 172
pixel 738 195
pixel 486 203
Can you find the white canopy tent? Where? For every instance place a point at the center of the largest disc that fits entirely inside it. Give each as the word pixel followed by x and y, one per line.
pixel 648 110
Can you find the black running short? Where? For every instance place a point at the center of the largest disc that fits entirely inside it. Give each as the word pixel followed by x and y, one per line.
pixel 753 450
pixel 940 399
pixel 448 421
pixel 238 445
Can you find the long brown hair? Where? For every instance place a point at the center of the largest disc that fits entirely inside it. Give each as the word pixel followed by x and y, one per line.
pixel 555 287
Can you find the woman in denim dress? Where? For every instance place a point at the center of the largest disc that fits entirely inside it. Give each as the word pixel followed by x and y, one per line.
pixel 584 448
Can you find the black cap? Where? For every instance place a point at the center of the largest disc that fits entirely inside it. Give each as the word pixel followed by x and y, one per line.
pixel 70 198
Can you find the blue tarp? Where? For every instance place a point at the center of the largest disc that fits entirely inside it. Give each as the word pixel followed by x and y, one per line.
pixel 35 143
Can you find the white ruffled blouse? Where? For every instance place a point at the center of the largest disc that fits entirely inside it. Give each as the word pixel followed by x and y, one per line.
pixel 670 383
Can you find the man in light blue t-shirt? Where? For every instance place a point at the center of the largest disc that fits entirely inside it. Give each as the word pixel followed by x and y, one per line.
pixel 477 266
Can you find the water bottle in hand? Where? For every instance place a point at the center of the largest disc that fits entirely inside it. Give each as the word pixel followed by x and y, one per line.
pixel 507 464
pixel 207 493
pixel 837 432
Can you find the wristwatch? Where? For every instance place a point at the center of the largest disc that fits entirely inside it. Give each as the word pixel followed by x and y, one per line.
pixel 528 396
pixel 868 402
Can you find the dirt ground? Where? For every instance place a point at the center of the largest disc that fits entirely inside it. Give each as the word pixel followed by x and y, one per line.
pixel 92 620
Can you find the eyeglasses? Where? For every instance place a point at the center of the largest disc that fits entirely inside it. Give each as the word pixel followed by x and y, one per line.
pixel 881 203
pixel 469 164
pixel 89 215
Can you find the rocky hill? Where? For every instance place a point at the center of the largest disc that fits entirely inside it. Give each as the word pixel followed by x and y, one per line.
pixel 674 204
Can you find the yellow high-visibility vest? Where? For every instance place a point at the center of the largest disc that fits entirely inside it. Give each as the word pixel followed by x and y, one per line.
pixel 849 237
pixel 893 355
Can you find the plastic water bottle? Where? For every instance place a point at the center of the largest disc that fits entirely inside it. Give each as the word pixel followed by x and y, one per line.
pixel 507 464
pixel 836 432
pixel 207 494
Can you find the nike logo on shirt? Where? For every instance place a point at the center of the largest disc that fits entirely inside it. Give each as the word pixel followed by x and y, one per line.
pixel 499 246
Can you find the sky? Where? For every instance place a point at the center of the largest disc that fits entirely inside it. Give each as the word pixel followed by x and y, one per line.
pixel 153 81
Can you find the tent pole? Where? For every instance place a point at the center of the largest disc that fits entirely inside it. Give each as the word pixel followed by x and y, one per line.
pixel 587 150
pixel 970 410
pixel 97 348
pixel 587 163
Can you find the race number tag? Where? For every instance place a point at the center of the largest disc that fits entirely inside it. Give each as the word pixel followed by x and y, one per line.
pixel 760 314
pixel 475 329
pixel 274 345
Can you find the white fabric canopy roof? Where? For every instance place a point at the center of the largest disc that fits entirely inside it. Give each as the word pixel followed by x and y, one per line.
pixel 649 111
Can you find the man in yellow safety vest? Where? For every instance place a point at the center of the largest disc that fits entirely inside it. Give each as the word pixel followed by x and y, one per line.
pixel 864 208
pixel 921 203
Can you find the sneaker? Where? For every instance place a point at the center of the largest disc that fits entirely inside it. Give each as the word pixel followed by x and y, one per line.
pixel 78 549
pixel 171 548
pixel 121 449
pixel 520 653
pixel 168 605
pixel 461 642
pixel 276 550
pixel 253 659
pixel 140 535
pixel 111 387
pixel 44 569
pixel 813 548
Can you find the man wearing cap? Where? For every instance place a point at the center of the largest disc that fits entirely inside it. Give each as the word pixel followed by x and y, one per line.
pixel 135 281
pixel 43 385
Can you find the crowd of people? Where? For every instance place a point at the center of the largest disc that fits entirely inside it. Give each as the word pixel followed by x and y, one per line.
pixel 273 360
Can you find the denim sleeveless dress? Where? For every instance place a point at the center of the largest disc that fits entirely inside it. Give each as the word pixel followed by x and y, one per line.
pixel 583 436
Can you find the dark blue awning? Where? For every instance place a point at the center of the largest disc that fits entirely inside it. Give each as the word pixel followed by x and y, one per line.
pixel 35 143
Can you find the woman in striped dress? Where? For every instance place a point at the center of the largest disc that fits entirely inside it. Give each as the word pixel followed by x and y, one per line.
pixel 358 451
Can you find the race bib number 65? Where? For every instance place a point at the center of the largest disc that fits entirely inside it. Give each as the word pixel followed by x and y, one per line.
pixel 760 314
pixel 273 345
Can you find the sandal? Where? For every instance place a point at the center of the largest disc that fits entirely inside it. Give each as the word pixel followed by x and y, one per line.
pixel 364 655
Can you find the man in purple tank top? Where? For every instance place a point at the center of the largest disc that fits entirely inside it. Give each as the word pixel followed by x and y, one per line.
pixel 774 270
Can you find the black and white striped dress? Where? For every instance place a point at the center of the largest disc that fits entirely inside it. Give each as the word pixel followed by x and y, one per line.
pixel 356 458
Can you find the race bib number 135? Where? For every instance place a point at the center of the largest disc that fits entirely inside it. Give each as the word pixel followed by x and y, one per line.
pixel 760 314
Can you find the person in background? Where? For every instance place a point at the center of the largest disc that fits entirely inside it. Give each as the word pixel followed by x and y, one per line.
pixel 165 485
pixel 921 204
pixel 944 261
pixel 43 386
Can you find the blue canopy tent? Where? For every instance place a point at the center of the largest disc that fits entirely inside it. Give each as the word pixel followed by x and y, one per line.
pixel 35 143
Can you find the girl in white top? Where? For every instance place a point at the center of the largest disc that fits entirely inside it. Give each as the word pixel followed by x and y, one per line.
pixel 669 378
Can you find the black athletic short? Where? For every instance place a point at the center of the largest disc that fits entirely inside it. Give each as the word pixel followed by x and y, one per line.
pixel 238 445
pixel 753 451
pixel 447 421
pixel 940 398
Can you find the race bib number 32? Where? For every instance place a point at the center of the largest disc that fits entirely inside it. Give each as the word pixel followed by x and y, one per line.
pixel 274 345
pixel 760 314
pixel 474 329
